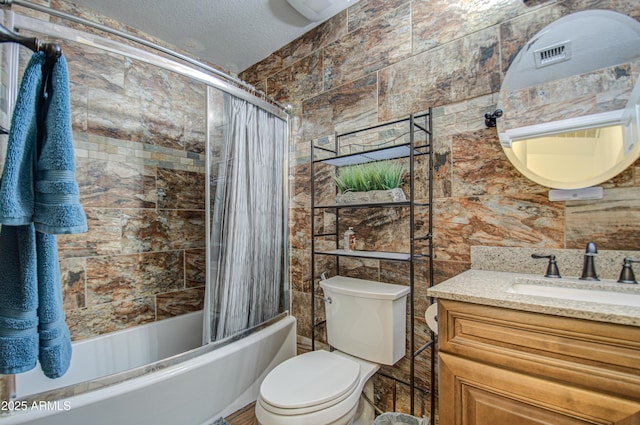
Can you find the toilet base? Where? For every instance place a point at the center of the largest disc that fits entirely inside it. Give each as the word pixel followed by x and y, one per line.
pixel 265 418
pixel 365 414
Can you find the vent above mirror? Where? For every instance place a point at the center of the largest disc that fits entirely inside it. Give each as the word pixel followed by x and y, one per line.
pixel 553 54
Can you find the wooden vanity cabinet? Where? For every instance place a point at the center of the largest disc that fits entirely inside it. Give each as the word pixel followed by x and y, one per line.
pixel 500 366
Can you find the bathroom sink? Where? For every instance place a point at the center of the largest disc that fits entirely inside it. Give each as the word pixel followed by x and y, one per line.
pixel 577 294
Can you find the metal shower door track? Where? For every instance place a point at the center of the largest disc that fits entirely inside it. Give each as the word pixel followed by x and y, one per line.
pixel 113 46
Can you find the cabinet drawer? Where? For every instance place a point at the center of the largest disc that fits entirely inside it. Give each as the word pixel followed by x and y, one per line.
pixel 593 354
pixel 476 394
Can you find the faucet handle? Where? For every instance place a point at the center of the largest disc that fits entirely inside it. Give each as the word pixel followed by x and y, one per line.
pixel 591 249
pixel 552 267
pixel 626 275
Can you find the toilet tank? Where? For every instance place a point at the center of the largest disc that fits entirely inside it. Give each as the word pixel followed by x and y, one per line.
pixel 366 319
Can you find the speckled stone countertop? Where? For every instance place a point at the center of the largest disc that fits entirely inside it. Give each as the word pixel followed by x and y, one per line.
pixel 492 288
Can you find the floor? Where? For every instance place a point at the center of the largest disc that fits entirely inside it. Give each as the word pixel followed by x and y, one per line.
pixel 244 416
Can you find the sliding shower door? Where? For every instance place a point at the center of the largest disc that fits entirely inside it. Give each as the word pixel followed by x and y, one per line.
pixel 247 232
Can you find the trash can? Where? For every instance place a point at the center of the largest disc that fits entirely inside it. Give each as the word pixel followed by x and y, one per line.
pixel 393 418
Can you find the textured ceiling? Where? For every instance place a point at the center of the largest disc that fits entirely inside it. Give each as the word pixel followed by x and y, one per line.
pixel 233 34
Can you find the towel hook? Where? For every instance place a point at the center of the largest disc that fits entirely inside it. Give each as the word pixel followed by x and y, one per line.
pixel 32 43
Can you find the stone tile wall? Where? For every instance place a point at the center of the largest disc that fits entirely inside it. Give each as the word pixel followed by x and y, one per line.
pixel 139 137
pixel 381 60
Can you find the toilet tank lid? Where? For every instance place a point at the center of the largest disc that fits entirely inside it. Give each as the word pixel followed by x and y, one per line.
pixel 364 288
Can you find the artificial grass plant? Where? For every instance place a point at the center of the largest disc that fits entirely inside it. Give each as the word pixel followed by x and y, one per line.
pixel 384 175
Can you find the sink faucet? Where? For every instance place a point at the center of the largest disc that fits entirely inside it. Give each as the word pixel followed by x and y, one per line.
pixel 589 268
pixel 552 267
pixel 626 275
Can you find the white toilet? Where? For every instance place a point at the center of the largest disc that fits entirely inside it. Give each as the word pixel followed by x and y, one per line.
pixel 366 324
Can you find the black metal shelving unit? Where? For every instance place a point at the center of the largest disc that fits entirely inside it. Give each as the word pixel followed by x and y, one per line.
pixel 381 152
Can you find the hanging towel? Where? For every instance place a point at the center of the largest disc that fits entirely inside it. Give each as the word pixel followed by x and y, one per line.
pixel 53 206
pixel 17 199
pixel 19 340
pixel 55 342
pixel 38 199
pixel 57 208
pixel 32 322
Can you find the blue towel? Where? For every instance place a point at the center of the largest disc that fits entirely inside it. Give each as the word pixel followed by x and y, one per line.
pixel 17 199
pixel 53 206
pixel 57 208
pixel 38 199
pixel 19 340
pixel 55 341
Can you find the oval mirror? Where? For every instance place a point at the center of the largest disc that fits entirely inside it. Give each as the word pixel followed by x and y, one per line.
pixel 571 101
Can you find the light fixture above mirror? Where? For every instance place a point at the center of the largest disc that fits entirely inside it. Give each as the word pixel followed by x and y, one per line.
pixel 571 101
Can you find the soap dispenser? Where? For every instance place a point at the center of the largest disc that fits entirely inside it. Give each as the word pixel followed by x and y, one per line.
pixel 349 240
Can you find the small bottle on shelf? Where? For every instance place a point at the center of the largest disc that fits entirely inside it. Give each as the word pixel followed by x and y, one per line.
pixel 349 240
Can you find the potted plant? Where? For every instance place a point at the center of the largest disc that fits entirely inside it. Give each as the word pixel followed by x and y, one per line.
pixel 374 182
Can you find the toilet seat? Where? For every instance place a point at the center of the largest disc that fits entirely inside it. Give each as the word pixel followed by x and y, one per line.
pixel 318 402
pixel 308 383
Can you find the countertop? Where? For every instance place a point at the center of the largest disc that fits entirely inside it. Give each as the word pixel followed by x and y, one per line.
pixel 490 288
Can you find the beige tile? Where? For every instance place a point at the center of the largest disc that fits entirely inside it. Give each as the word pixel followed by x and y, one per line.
pixel 110 279
pixel 368 48
pixel 463 69
pixel 480 167
pixel 327 32
pixel 104 236
pixel 109 317
pixel 519 220
pixel 175 303
pixel 298 81
pixel 180 189
pixel 73 280
pixel 151 230
pixel 349 107
pixel 263 69
pixel 438 22
pixel 112 184
pixel 612 223
pixel 363 12
pixel 195 267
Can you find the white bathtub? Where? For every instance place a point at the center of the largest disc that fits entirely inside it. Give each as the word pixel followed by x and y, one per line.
pixel 192 388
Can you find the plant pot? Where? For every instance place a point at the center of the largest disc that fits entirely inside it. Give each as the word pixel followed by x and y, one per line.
pixel 371 197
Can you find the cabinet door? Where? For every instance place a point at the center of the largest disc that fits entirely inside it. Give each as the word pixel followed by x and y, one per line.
pixel 473 393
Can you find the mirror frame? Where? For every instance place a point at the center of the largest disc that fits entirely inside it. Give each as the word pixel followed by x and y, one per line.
pixel 628 117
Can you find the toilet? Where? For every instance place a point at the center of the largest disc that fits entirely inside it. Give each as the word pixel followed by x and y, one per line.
pixel 366 325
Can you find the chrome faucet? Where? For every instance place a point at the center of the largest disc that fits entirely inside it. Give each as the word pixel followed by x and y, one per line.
pixel 589 268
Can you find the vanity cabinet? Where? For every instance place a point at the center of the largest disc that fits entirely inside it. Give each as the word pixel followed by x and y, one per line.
pixel 499 366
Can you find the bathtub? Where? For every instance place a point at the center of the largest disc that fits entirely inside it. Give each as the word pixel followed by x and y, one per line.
pixel 126 378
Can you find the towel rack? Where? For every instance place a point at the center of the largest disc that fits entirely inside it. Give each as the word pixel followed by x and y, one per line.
pixel 33 43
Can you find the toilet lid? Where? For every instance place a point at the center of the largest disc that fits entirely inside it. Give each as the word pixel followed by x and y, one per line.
pixel 310 379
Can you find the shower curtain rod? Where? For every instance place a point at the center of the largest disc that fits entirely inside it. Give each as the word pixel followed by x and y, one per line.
pixel 122 34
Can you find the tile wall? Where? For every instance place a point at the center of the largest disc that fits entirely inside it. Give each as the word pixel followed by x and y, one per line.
pixel 381 60
pixel 139 137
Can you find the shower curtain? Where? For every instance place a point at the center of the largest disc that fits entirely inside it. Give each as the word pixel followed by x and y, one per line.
pixel 246 252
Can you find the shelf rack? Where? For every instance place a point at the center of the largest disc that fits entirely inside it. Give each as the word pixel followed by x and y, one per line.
pixel 409 150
